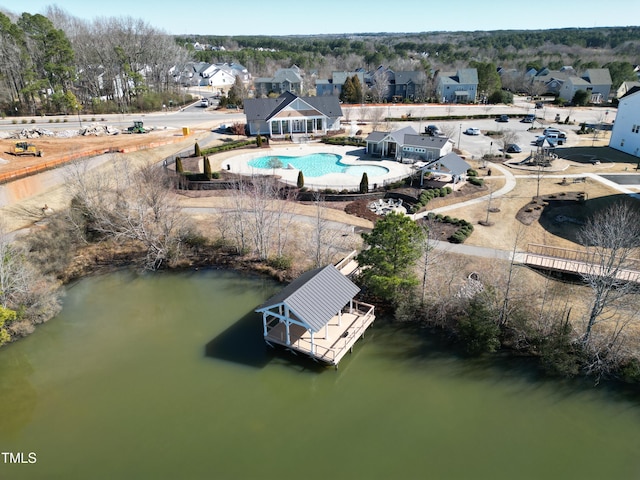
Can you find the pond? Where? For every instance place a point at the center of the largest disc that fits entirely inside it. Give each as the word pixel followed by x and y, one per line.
pixel 167 376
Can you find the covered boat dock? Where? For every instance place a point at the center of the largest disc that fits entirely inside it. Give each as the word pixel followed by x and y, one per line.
pixel 317 315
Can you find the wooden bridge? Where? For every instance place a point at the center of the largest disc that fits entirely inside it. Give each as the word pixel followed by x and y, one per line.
pixel 577 262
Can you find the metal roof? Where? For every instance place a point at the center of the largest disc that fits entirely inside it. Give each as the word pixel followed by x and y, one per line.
pixel 315 297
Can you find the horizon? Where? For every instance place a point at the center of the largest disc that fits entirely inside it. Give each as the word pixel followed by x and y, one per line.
pixel 337 17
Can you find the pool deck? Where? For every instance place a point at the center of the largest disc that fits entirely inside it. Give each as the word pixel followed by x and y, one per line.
pixel 350 156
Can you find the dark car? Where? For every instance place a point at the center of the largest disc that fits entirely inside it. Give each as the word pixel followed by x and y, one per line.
pixel 528 118
pixel 513 148
pixel 539 105
pixel 503 119
pixel 432 130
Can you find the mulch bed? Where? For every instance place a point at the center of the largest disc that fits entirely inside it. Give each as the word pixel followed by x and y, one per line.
pixel 551 205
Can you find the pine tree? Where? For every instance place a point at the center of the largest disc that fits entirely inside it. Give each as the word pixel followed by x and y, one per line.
pixel 259 141
pixel 300 179
pixel 207 168
pixel 357 90
pixel 179 168
pixel 364 183
pixel 197 151
pixel 346 94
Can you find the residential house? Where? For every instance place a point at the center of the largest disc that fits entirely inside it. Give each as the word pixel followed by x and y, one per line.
pixel 552 79
pixel 409 85
pixel 407 145
pixel 290 115
pixel 458 87
pixel 625 135
pixel 625 87
pixel 284 80
pixel 595 81
pixel 333 85
pixel 219 76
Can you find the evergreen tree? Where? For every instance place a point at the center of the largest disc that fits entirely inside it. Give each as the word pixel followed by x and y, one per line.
pixel 357 90
pixel 259 141
pixel 300 179
pixel 207 168
pixel 364 183
pixel 394 245
pixel 197 151
pixel 347 91
pixel 179 167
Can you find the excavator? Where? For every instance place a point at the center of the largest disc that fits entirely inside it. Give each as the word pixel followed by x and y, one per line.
pixel 24 148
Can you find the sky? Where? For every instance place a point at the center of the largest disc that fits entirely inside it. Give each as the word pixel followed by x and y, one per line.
pixel 264 17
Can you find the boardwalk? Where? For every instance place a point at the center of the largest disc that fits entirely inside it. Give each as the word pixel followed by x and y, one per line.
pixel 577 262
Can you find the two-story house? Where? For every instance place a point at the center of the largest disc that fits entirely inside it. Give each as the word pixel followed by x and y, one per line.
pixel 595 81
pixel 458 87
pixel 284 80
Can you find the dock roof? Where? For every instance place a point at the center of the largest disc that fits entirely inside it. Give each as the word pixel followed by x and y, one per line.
pixel 315 296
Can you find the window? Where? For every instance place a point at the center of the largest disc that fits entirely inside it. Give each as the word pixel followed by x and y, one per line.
pixel 635 129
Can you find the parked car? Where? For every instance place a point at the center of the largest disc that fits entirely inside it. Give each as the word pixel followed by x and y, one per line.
pixel 432 130
pixel 539 105
pixel 503 119
pixel 472 131
pixel 204 103
pixel 513 148
pixel 529 118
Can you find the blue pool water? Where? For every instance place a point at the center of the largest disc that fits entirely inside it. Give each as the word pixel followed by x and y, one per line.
pixel 319 164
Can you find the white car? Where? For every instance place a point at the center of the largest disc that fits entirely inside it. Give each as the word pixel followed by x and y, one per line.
pixel 472 131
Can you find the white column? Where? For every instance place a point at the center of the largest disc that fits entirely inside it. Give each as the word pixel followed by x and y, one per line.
pixel 264 323
pixel 326 331
pixel 313 345
pixel 339 318
pixel 288 336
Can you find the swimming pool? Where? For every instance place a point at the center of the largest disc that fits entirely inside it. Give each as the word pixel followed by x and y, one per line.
pixel 317 164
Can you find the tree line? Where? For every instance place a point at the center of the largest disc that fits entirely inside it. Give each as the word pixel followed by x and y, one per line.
pixel 502 309
pixel 59 64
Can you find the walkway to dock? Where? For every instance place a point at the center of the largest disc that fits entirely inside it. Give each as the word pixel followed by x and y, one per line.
pixel 578 262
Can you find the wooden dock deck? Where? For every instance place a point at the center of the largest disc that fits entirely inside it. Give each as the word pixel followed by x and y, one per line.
pixel 337 338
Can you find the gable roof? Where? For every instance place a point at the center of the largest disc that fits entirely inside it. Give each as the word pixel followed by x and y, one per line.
pixel 405 77
pixel 315 296
pixel 598 76
pixel 425 141
pixel 265 108
pixel 452 163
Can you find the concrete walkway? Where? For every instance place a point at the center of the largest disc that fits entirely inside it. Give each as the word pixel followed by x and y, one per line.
pixel 509 185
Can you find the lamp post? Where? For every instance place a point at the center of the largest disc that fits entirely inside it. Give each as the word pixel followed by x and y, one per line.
pixel 459 135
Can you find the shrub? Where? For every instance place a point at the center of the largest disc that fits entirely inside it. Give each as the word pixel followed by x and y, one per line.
pixel 472 173
pixel 300 182
pixel 280 262
pixel 477 328
pixel 364 183
pixel 476 181
pixel 197 151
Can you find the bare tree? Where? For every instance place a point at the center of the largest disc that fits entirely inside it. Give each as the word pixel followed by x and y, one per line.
pixel 612 238
pixel 379 85
pixel 132 204
pixel 507 138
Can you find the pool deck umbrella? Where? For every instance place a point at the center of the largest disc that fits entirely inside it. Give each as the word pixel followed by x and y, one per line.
pixel 317 315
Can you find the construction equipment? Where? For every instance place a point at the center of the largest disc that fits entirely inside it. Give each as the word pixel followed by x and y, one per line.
pixel 24 148
pixel 138 127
